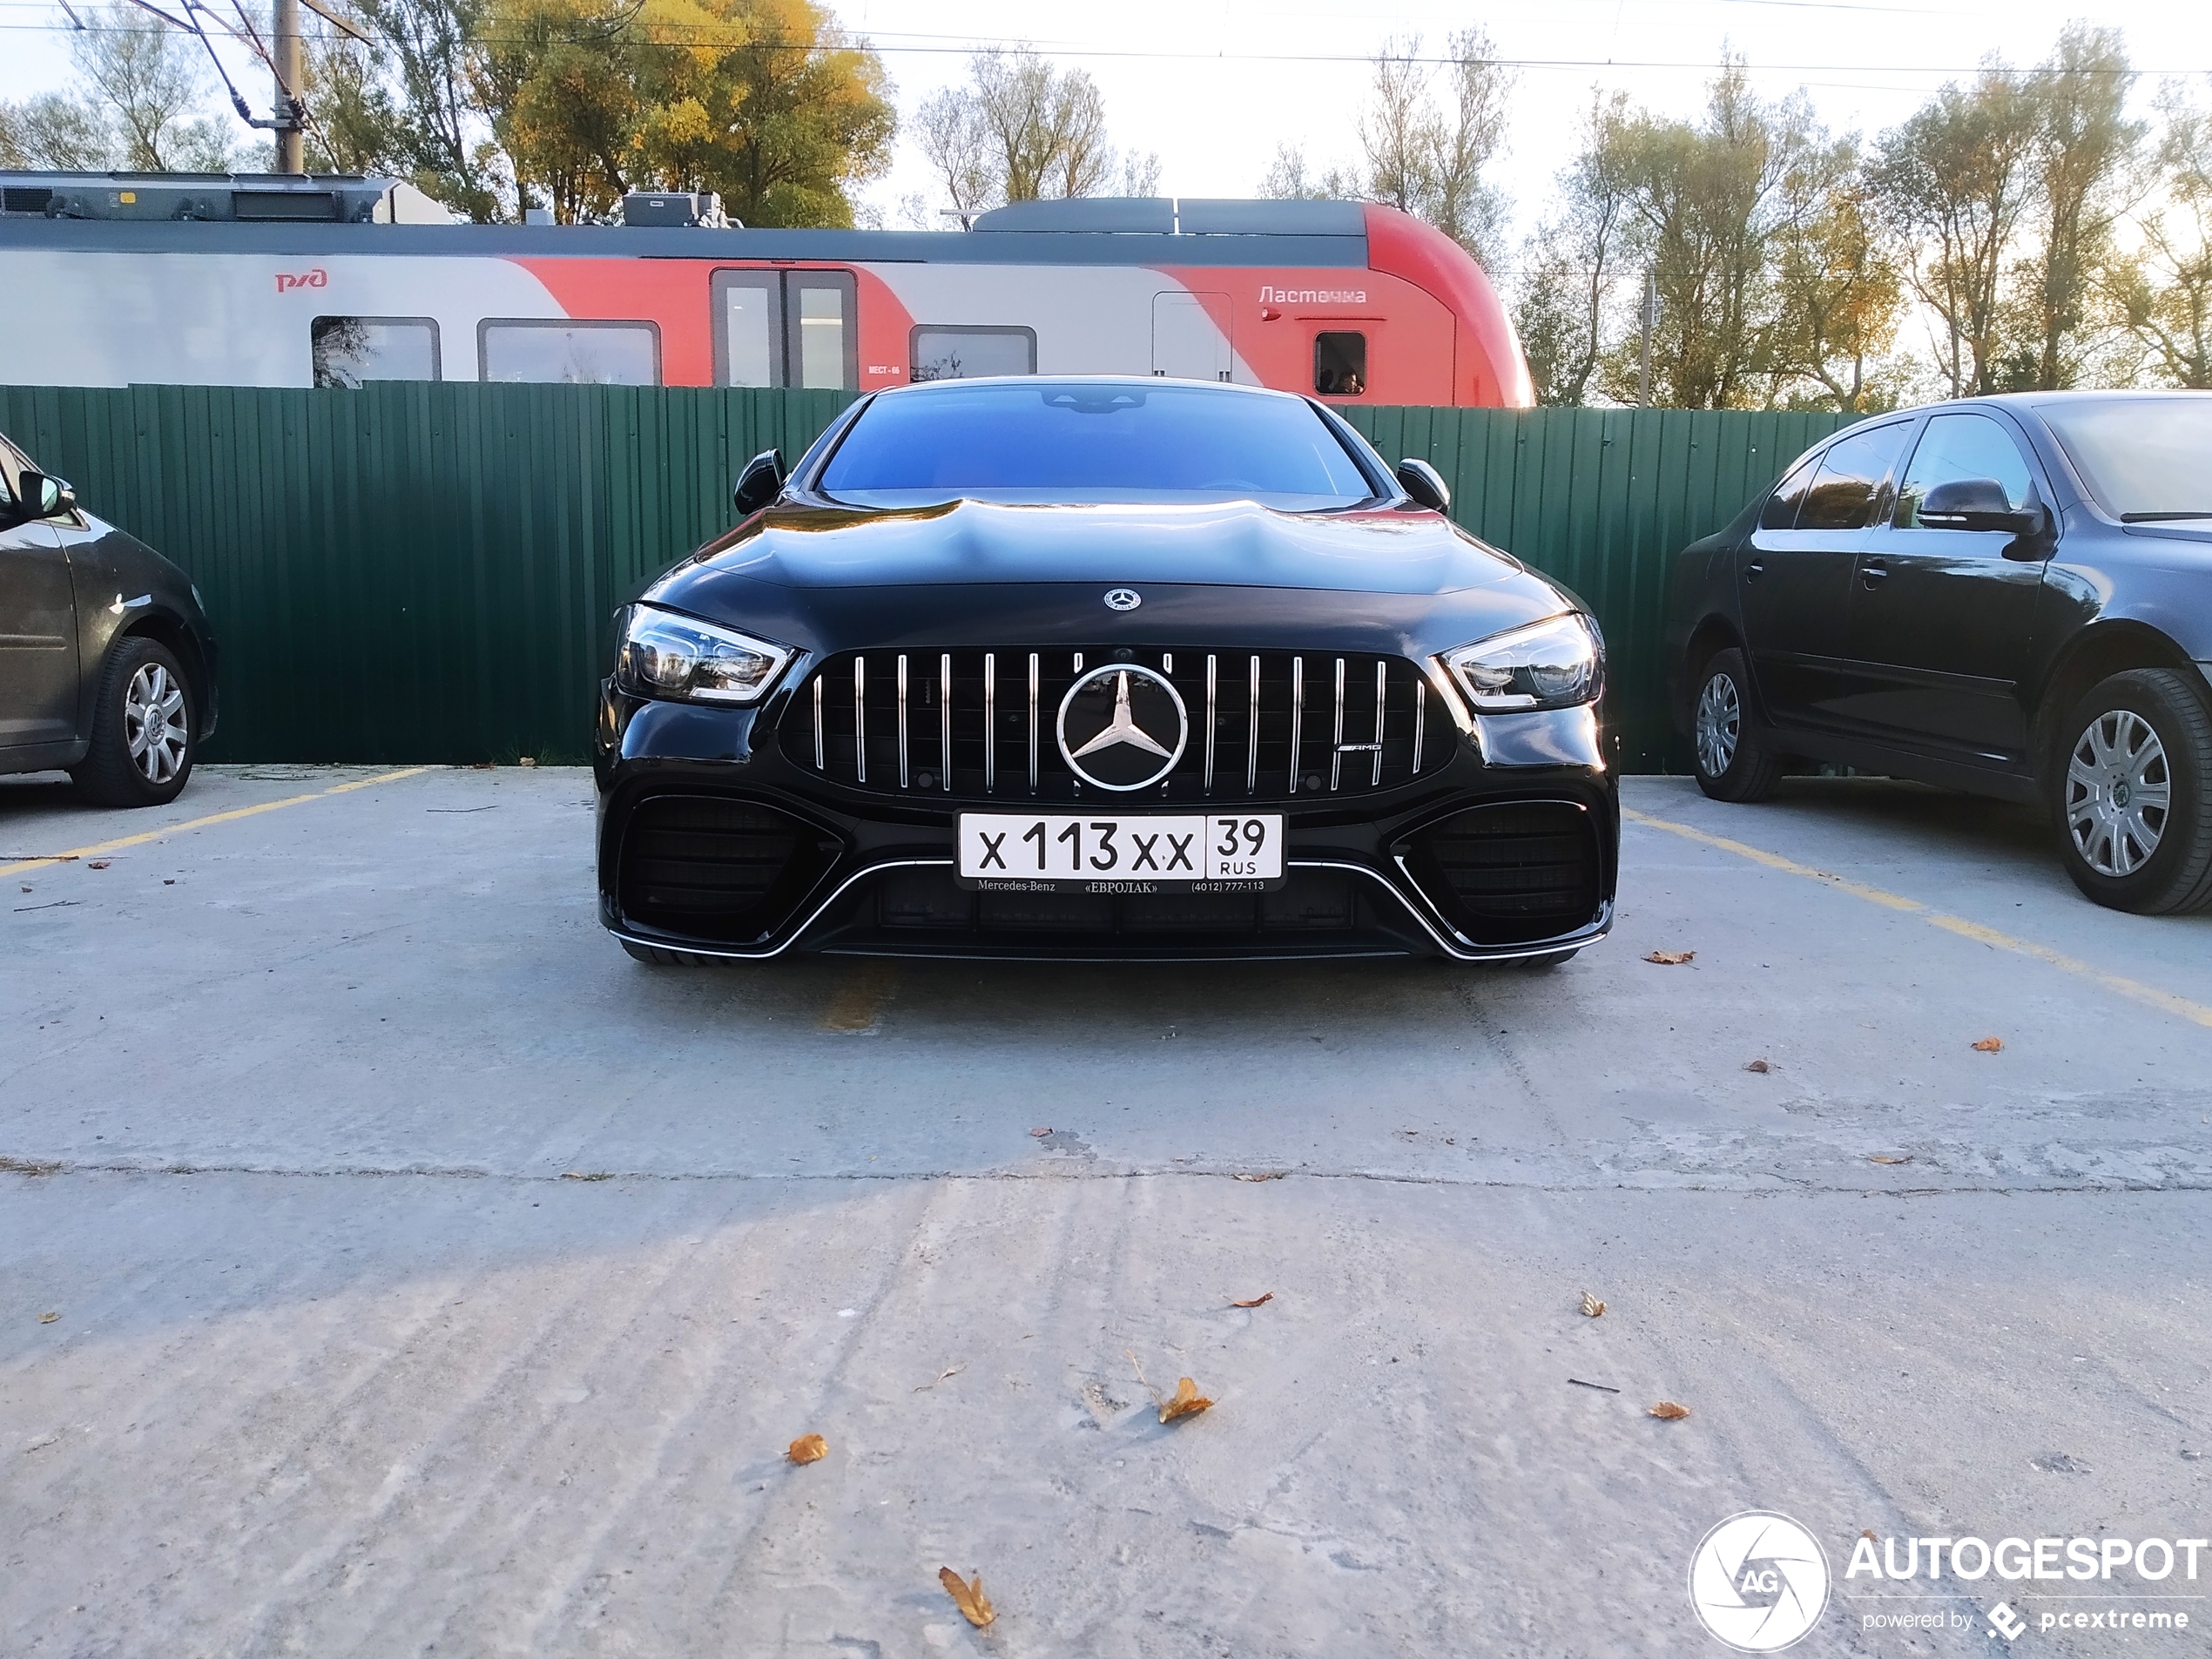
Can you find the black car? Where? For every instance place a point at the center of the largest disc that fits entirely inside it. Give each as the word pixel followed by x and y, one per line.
pixel 2007 595
pixel 107 665
pixel 1101 669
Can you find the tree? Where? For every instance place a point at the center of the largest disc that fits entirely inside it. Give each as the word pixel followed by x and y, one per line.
pixel 1839 293
pixel 146 88
pixel 1020 131
pixel 1957 179
pixel 2162 294
pixel 442 137
pixel 1705 203
pixel 2079 158
pixel 1572 268
pixel 356 126
pixel 1430 161
pixel 764 102
pixel 1287 179
pixel 57 132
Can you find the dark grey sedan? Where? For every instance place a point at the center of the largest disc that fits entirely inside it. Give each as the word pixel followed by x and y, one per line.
pixel 107 665
pixel 2008 595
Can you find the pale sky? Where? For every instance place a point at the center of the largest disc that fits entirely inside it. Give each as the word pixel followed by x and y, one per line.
pixel 1213 86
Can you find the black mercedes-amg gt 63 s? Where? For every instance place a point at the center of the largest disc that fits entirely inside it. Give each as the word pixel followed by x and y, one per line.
pixel 1100 669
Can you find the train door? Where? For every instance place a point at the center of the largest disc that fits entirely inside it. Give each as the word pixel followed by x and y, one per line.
pixel 1188 344
pixel 797 328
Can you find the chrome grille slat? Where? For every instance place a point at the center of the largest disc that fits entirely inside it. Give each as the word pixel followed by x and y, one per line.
pixel 821 761
pixel 1251 743
pixel 861 719
pixel 991 726
pixel 1297 715
pixel 1336 744
pixel 1033 723
pixel 1421 717
pixel 1382 714
pixel 1209 723
pixel 902 720
pixel 945 721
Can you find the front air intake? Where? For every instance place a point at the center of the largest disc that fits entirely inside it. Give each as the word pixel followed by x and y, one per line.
pixel 708 869
pixel 1513 873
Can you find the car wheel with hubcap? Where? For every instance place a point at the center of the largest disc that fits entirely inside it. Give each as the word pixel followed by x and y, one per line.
pixel 2132 791
pixel 146 730
pixel 1731 763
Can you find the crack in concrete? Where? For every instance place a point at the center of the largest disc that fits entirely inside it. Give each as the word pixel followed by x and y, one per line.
pixel 1740 1184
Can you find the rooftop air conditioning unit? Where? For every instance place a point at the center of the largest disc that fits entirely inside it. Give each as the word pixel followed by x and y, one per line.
pixel 661 209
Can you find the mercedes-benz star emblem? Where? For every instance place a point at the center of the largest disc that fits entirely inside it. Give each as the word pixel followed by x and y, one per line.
pixel 1123 598
pixel 1122 727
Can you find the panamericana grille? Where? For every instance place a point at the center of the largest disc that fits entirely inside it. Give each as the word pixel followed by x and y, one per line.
pixel 973 723
pixel 713 869
pixel 1513 872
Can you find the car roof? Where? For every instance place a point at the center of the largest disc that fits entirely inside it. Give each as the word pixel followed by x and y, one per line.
pixel 1135 383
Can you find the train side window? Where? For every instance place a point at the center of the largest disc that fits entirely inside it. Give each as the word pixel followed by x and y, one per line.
pixel 965 353
pixel 825 351
pixel 1341 365
pixel 748 329
pixel 352 351
pixel 552 352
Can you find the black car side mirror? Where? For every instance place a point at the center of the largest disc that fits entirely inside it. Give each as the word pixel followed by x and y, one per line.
pixel 1977 504
pixel 45 497
pixel 760 482
pixel 1425 485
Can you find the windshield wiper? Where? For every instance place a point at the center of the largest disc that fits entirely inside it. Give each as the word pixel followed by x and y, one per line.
pixel 2157 518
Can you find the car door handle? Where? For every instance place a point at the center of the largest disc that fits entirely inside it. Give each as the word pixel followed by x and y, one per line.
pixel 1871 576
pixel 1752 570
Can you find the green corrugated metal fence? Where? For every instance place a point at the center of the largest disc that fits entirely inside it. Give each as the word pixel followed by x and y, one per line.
pixel 425 572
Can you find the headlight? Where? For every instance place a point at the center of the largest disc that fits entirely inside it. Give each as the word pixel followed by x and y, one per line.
pixel 1549 665
pixel 665 655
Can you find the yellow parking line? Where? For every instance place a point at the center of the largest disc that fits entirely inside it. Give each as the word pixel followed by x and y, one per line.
pixel 203 823
pixel 2134 990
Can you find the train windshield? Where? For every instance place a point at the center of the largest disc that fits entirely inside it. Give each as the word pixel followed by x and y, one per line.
pixel 1084 442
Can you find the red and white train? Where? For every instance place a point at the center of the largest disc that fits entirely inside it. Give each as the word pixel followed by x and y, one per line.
pixel 113 279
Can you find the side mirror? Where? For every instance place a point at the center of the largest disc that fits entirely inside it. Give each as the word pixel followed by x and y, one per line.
pixel 47 497
pixel 1977 504
pixel 1425 485
pixel 760 482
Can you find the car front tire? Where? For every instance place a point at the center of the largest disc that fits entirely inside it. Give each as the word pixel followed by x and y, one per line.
pixel 2132 793
pixel 146 729
pixel 1731 763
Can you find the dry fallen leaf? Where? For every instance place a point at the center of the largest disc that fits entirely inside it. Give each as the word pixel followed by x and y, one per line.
pixel 1040 1133
pixel 1255 1301
pixel 585 1175
pixel 99 864
pixel 1989 1045
pixel 1263 1174
pixel 1865 1531
pixel 1887 1158
pixel 1591 1305
pixel 808 1448
pixel 949 1371
pixel 527 760
pixel 1670 958
pixel 1667 1411
pixel 482 766
pixel 1187 1402
pixel 1759 1065
pixel 48 1318
pixel 973 1605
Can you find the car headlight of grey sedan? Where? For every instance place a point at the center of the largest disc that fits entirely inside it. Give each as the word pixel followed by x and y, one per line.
pixel 666 655
pixel 1551 664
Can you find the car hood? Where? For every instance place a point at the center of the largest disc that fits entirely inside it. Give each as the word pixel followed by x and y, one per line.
pixel 1233 575
pixel 1215 543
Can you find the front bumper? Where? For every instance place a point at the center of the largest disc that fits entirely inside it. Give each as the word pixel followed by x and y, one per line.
pixel 1483 860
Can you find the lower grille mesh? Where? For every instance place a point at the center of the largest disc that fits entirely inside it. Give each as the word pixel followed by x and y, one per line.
pixel 1519 871
pixel 713 868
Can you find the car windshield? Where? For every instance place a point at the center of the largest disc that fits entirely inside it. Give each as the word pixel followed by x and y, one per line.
pixel 1030 441
pixel 2145 459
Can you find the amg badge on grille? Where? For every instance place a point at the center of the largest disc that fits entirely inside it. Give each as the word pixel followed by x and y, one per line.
pixel 1123 598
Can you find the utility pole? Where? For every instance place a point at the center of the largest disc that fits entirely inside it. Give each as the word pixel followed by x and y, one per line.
pixel 1650 318
pixel 291 149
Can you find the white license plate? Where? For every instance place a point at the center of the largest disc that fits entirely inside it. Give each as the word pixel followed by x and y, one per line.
pixel 1136 853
